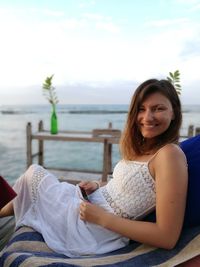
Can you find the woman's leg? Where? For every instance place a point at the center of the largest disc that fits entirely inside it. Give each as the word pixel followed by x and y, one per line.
pixel 22 190
pixel 7 210
pixel 26 187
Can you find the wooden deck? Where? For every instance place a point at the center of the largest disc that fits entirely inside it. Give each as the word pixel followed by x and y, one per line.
pixel 75 176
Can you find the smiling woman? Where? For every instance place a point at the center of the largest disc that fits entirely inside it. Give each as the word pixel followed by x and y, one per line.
pixel 151 176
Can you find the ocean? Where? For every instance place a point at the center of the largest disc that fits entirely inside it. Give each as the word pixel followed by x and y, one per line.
pixel 13 121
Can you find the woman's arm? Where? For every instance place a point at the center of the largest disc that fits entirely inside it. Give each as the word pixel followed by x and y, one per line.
pixel 170 171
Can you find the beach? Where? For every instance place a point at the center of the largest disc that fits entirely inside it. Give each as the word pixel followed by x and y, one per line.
pixel 70 117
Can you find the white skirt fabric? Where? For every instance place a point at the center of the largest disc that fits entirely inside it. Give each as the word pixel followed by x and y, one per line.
pixel 52 208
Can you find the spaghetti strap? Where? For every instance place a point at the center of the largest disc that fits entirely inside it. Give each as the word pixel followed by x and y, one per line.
pixel 154 155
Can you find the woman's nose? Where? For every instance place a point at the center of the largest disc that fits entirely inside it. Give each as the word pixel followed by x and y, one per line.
pixel 148 115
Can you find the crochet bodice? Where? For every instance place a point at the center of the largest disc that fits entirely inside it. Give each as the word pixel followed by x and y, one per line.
pixel 131 192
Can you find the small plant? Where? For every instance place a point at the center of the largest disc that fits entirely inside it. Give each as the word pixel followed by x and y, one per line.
pixel 49 90
pixel 174 78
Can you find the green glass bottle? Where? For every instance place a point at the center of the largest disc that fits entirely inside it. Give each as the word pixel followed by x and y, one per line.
pixel 54 120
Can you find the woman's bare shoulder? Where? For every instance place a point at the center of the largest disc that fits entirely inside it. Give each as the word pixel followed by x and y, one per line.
pixel 170 163
pixel 171 153
pixel 170 150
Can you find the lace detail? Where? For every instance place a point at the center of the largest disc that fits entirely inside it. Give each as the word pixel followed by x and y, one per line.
pixel 117 210
pixel 38 175
pixel 131 192
pixel 147 177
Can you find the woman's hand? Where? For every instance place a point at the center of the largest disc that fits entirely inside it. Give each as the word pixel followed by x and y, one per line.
pixel 89 186
pixel 92 213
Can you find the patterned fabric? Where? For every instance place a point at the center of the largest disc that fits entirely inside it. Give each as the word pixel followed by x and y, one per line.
pixel 131 192
pixel 27 248
pixel 7 227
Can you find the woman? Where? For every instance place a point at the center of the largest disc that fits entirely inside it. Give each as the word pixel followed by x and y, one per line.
pixel 151 175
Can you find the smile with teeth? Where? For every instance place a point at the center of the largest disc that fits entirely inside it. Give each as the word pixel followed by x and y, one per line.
pixel 149 126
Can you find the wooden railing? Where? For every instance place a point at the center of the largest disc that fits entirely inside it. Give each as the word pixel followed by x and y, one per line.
pixel 192 131
pixel 107 137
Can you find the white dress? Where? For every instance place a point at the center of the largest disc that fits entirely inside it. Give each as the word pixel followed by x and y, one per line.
pixel 52 208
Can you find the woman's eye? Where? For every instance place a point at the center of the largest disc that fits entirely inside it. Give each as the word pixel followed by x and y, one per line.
pixel 141 110
pixel 159 109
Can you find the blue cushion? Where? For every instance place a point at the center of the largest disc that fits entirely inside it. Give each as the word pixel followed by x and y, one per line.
pixel 191 148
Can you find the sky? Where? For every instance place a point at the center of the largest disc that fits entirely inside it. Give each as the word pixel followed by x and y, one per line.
pixel 98 50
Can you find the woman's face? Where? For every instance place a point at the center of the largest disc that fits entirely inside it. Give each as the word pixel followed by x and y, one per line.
pixel 155 115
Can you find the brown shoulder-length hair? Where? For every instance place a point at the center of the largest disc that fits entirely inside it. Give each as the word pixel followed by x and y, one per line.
pixel 132 142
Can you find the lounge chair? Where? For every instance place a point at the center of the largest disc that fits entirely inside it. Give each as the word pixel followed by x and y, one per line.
pixel 27 247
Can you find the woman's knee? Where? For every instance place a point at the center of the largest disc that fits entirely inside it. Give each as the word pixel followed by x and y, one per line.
pixel 32 169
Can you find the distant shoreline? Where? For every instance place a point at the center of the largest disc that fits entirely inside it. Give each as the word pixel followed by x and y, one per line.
pixel 79 109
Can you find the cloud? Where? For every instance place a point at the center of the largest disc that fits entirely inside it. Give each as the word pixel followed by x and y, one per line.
pixel 87 3
pixel 191 49
pixel 187 2
pixel 167 22
pixel 195 8
pixel 108 26
pixel 93 16
pixel 191 5
pixel 102 22
pixel 73 24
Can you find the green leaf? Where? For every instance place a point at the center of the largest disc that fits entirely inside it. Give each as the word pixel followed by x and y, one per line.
pixel 174 79
pixel 177 73
pixel 49 90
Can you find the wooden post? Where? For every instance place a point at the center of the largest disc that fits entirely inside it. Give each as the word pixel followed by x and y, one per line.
pixel 109 159
pixel 190 130
pixel 40 145
pixel 197 130
pixel 29 144
pixel 109 162
pixel 105 161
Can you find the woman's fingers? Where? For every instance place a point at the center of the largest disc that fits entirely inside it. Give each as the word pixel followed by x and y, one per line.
pixel 89 186
pixel 83 183
pixel 90 212
pixel 82 210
